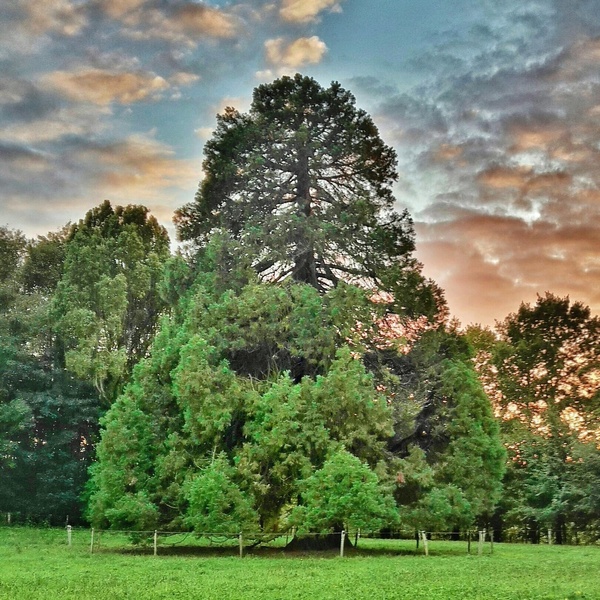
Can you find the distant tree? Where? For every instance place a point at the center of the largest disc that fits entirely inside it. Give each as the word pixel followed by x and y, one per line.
pixel 107 303
pixel 544 375
pixel 12 245
pixel 300 188
pixel 48 419
pixel 44 262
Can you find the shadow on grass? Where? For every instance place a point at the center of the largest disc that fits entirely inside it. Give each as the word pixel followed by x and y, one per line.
pixel 257 551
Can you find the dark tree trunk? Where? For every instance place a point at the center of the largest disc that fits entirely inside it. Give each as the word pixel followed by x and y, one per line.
pixel 305 269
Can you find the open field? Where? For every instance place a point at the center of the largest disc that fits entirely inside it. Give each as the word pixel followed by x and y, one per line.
pixel 37 564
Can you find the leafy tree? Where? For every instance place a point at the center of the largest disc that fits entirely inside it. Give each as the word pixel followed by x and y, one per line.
pixel 48 419
pixel 279 368
pixel 12 244
pixel 107 302
pixel 544 374
pixel 344 493
pixel 194 420
pixel 300 188
pixel 452 461
pixel 44 262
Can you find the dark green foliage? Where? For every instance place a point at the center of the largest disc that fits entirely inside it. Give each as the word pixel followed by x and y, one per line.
pixel 48 419
pixel 452 462
pixel 544 372
pixel 300 188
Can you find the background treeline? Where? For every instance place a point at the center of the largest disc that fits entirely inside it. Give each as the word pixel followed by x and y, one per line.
pixel 290 366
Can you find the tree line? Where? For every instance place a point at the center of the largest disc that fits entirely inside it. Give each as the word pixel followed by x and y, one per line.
pixel 289 365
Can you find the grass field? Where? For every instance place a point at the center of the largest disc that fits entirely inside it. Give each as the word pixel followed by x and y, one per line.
pixel 37 564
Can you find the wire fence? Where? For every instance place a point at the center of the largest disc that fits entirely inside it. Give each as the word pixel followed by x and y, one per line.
pixel 159 542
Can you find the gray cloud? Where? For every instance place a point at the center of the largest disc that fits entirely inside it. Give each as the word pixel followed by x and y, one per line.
pixel 498 159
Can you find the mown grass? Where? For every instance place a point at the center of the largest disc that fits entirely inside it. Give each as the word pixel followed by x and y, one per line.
pixel 37 564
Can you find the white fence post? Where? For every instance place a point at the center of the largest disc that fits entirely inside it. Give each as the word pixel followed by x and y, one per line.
pixel 342 543
pixel 481 541
pixel 425 542
pixel 69 531
pixel 241 542
pixel 92 542
pixel 155 542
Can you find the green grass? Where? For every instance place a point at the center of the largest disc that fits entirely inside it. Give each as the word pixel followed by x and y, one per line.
pixel 37 564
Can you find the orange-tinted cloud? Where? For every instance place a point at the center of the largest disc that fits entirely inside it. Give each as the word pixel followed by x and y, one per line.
pixel 306 11
pixel 117 9
pixel 300 52
pixel 102 87
pixel 58 16
pixel 185 23
pixel 138 165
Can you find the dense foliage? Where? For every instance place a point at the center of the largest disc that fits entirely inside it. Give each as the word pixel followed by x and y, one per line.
pixel 294 368
pixel 300 188
pixel 544 375
pixel 78 310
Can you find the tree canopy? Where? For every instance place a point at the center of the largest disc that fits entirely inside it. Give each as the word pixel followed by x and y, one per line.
pixel 543 372
pixel 300 187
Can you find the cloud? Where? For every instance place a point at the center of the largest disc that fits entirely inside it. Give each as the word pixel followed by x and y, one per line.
pixel 102 87
pixel 181 22
pixel 498 160
pixel 54 16
pixel 306 11
pixel 137 165
pixel 302 51
pixel 66 180
pixel 117 9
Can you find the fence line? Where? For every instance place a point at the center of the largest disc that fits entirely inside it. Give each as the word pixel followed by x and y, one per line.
pixel 242 538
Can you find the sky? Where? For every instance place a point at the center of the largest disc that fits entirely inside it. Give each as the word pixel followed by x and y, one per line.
pixel 493 108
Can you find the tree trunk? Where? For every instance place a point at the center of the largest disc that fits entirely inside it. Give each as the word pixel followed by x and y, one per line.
pixel 305 269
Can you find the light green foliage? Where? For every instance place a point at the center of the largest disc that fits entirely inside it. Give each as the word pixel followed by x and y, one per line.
pixel 107 302
pixel 344 492
pixel 216 503
pixel 196 417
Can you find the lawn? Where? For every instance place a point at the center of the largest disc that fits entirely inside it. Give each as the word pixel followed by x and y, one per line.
pixel 37 564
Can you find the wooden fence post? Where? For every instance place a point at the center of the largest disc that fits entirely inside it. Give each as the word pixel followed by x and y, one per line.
pixel 155 542
pixel 481 541
pixel 491 541
pixel 92 542
pixel 241 543
pixel 469 542
pixel 549 537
